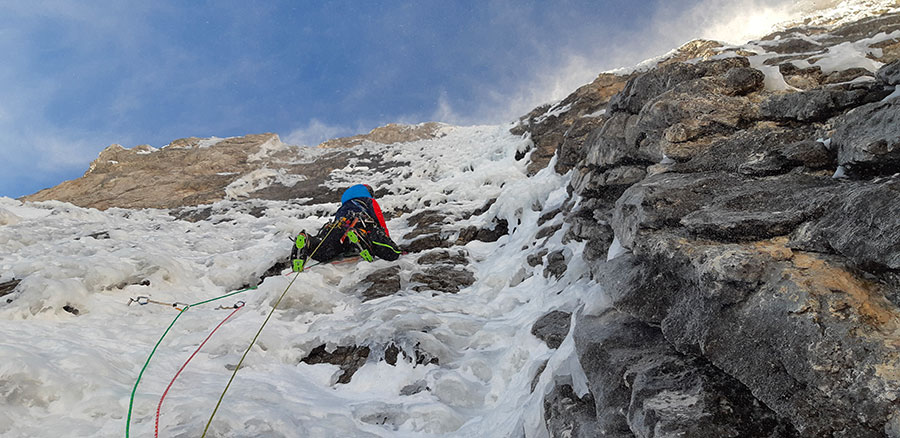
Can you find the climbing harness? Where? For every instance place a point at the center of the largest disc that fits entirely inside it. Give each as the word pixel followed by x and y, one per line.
pixel 274 307
pixel 184 307
pixel 237 306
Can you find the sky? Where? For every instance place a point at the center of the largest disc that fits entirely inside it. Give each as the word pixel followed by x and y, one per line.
pixel 76 77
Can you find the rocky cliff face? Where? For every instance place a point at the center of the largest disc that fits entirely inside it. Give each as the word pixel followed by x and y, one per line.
pixel 740 212
pixel 194 171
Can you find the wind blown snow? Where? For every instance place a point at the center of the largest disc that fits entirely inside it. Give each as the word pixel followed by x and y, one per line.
pixel 68 374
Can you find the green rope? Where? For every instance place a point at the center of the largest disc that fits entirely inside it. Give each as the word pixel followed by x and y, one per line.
pixel 271 312
pixel 134 390
pixel 141 374
pixel 223 296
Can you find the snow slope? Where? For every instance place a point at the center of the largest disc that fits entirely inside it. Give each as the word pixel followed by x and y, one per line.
pixel 63 374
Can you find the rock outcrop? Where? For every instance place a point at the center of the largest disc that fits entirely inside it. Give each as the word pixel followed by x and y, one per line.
pixel 388 134
pixel 194 171
pixel 564 126
pixel 752 293
pixel 188 171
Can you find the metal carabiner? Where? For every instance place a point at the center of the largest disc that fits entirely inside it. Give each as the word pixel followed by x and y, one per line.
pixel 142 300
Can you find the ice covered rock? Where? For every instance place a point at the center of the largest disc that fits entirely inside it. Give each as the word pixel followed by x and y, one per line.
pixel 442 278
pixel 569 415
pixel 444 257
pixel 349 359
pixel 746 256
pixel 565 125
pixel 381 283
pixel 556 264
pixel 8 218
pixel 552 328
pixel 8 287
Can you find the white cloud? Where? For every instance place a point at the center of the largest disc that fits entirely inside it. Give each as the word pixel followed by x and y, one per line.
pixel 670 27
pixel 446 114
pixel 733 22
pixel 316 132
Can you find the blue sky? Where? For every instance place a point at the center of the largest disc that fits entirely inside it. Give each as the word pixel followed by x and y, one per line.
pixel 78 76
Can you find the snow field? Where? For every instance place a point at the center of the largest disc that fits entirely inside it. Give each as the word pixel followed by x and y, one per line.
pixel 71 375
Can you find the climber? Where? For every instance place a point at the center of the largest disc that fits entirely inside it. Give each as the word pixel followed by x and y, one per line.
pixel 358 229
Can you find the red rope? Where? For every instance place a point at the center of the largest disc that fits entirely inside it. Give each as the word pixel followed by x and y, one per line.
pixel 159 406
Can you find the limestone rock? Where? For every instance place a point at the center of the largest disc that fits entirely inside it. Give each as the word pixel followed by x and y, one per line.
pixel 762 150
pixel 851 229
pixel 810 154
pixel 828 377
pixel 642 386
pixel 574 144
pixel 721 206
pixel 552 328
pixel 556 264
pixel 868 140
pixel 760 296
pixel 389 134
pixel 443 278
pixel 187 172
pixel 608 146
pixel 194 171
pixel 349 359
pixel 696 49
pixel 641 89
pixel 565 125
pixel 675 111
pixel 890 73
pixel 863 28
pixel 814 105
pixel 570 416
pixel 381 283
pixel 683 121
pixel 607 184
pixel 8 287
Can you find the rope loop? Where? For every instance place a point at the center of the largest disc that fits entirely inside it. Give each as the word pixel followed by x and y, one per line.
pixel 236 305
